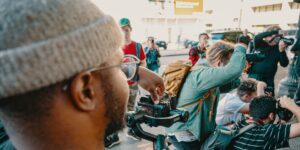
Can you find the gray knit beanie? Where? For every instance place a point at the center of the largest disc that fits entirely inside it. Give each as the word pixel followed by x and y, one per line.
pixel 43 42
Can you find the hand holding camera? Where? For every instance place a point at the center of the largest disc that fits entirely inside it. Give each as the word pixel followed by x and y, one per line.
pixel 282 46
pixel 286 102
pixel 286 108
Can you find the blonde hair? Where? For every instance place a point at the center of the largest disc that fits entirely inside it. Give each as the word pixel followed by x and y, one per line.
pixel 219 51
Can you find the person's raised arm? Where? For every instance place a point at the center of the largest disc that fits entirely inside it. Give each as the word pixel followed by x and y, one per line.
pixel 291 105
pixel 214 77
pixel 259 39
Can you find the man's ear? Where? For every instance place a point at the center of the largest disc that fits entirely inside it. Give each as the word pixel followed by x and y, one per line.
pixel 83 92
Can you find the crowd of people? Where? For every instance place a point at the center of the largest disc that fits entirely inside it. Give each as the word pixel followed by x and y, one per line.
pixel 69 73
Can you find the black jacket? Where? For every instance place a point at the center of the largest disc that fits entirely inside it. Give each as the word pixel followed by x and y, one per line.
pixel 297 94
pixel 268 67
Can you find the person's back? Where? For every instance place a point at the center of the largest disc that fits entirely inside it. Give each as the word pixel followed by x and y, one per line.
pixel 266 135
pixel 228 109
pixel 199 94
pixel 153 59
pixel 152 55
pixel 233 106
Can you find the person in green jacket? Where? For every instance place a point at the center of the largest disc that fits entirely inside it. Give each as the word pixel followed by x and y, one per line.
pixel 200 93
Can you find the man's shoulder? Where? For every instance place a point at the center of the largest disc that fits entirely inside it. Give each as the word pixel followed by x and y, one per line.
pixel 232 97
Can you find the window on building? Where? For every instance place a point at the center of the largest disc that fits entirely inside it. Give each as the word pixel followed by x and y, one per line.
pixel 267 8
pixel 270 8
pixel 277 7
pixel 209 11
pixel 263 9
pixel 294 5
pixel 209 25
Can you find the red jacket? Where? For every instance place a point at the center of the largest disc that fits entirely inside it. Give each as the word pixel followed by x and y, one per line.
pixel 195 53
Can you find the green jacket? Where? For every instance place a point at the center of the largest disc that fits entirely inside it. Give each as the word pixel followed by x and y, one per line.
pixel 197 84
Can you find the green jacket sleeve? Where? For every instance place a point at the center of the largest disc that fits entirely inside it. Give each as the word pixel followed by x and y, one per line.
pixel 209 77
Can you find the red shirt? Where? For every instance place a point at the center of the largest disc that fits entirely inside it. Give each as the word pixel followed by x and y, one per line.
pixel 194 54
pixel 131 49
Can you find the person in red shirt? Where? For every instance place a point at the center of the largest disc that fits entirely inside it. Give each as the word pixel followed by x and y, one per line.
pixel 132 48
pixel 199 51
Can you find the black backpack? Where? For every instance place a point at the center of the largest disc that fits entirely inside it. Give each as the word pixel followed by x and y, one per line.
pixel 223 137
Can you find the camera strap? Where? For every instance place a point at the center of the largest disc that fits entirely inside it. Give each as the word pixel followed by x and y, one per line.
pixel 208 94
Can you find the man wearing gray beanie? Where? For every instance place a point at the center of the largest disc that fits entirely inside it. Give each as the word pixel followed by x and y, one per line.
pixel 62 79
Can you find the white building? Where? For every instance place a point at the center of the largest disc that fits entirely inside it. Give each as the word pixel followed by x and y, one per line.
pixel 254 15
pixel 258 14
pixel 162 23
pixel 159 20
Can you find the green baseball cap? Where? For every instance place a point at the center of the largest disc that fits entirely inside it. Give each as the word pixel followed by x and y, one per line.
pixel 124 22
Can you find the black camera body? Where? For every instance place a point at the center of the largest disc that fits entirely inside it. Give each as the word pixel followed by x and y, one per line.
pixel 162 114
pixel 283 113
pixel 287 41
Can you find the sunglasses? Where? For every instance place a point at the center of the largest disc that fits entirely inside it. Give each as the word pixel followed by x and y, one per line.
pixel 129 67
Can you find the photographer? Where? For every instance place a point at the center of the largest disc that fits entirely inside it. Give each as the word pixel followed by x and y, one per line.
pixel 63 84
pixel 266 135
pixel 198 52
pixel 233 105
pixel 200 93
pixel 267 43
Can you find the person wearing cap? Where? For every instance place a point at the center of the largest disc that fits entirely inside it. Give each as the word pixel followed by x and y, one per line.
pixel 131 48
pixel 62 81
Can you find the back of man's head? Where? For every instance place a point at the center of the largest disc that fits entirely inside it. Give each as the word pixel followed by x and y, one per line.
pixel 44 45
pixel 261 107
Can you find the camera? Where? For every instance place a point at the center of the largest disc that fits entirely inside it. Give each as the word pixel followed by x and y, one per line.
pixel 283 113
pixel 162 114
pixel 287 41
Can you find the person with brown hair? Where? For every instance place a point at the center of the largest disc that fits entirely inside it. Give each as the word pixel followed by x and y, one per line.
pixel 200 93
pixel 267 43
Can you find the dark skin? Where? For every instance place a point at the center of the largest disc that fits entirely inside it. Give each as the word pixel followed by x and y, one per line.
pixel 80 115
pixel 78 118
